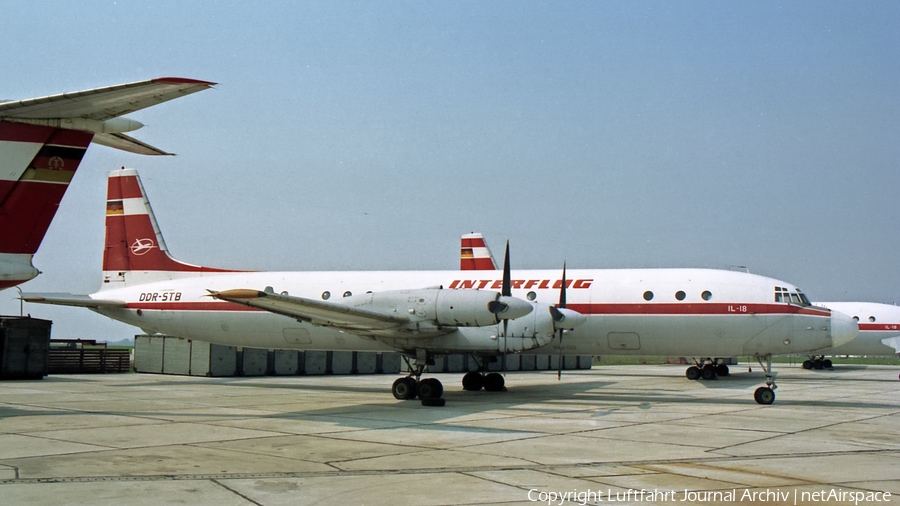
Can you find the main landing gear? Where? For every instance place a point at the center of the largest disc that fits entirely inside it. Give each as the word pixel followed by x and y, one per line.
pixel 818 363
pixel 475 381
pixel 429 391
pixel 707 368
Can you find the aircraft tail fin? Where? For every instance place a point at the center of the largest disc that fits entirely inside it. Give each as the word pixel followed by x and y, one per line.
pixel 37 164
pixel 474 254
pixel 135 250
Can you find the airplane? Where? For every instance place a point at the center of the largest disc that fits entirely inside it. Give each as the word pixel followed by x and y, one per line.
pixel 420 314
pixel 42 142
pixel 879 332
pixel 476 255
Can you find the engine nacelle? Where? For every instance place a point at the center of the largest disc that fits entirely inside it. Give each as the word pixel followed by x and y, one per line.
pixel 452 308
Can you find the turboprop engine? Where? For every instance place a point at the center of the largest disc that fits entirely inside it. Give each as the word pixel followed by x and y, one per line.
pixel 538 328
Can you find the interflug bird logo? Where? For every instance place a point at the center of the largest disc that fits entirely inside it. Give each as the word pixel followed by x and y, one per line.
pixel 142 246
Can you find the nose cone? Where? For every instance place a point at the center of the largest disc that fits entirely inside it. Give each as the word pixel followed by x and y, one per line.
pixel 510 308
pixel 843 328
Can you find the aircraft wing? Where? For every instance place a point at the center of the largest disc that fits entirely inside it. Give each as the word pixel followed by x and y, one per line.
pixel 68 299
pixel 317 312
pixel 101 104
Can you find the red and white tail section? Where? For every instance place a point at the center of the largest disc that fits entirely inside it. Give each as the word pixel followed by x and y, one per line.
pixel 37 164
pixel 135 249
pixel 474 254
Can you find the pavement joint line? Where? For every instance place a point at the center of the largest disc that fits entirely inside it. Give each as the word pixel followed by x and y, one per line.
pixel 235 492
pixel 460 470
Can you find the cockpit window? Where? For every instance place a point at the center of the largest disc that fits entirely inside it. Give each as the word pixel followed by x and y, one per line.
pixel 784 295
pixel 781 294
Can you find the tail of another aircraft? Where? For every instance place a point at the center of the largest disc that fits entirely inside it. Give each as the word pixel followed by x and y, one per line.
pixel 135 251
pixel 37 164
pixel 474 254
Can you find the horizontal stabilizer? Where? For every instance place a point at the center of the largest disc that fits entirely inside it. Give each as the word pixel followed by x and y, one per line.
pixel 68 299
pixel 101 104
pixel 126 143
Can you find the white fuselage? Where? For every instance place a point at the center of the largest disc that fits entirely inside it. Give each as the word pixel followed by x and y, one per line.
pixel 879 325
pixel 721 313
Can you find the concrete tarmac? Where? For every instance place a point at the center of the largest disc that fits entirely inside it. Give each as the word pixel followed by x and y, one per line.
pixel 616 434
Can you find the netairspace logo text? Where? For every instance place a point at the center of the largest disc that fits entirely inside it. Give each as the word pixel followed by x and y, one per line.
pixel 585 497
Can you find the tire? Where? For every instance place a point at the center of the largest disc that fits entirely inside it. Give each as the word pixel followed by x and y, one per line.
pixel 493 382
pixel 817 365
pixel 722 370
pixel 473 382
pixel 764 395
pixel 708 373
pixel 828 364
pixel 693 373
pixel 404 389
pixel 429 389
pixel 807 364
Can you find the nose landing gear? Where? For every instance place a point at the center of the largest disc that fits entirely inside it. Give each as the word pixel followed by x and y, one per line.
pixel 766 394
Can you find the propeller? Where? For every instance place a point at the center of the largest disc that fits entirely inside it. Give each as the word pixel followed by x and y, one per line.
pixel 506 289
pixel 558 317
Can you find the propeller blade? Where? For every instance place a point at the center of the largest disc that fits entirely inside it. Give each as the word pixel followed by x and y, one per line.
pixel 507 283
pixel 497 307
pixel 562 288
pixel 559 359
pixel 558 316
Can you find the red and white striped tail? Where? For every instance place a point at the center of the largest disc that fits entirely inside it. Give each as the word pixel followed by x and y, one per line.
pixel 135 249
pixel 36 165
pixel 474 254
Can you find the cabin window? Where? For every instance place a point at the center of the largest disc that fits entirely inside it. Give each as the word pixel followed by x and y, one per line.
pixel 648 295
pixel 531 295
pixel 872 319
pixel 326 295
pixel 706 295
pixel 856 318
pixel 347 293
pixel 680 295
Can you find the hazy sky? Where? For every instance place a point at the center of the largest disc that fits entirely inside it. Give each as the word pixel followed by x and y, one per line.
pixel 371 135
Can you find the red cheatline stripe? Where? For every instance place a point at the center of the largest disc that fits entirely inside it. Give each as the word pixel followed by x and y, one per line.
pixel 882 327
pixel 123 187
pixel 693 309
